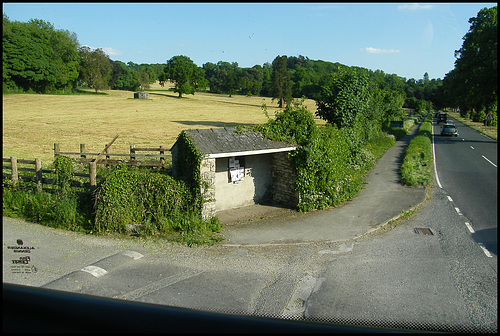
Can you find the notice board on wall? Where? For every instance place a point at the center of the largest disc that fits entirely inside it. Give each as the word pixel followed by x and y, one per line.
pixel 236 169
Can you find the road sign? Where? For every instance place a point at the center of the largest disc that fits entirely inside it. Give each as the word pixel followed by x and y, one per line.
pixel 488 117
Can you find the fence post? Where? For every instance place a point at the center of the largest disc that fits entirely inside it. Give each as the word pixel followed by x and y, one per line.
pixel 56 149
pixel 13 167
pixel 93 176
pixel 38 173
pixel 132 151
pixel 162 160
pixel 82 150
pixel 107 157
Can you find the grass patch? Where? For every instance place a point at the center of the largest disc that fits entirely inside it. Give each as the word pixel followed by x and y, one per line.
pixel 416 169
pixel 69 211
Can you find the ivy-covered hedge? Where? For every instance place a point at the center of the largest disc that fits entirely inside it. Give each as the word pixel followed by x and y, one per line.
pixel 145 203
pixel 330 163
pixel 133 196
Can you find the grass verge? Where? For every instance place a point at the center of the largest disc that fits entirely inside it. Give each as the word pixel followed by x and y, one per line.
pixel 416 170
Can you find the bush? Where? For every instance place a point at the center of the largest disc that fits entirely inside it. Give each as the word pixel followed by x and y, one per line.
pixel 156 203
pixel 478 116
pixel 416 169
pixel 54 210
pixel 130 196
pixel 330 163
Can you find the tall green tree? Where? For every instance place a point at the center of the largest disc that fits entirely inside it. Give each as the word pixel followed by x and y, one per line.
pixel 143 79
pixel 95 68
pixel 344 98
pixel 251 80
pixel 475 76
pixel 266 79
pixel 38 57
pixel 281 84
pixel 123 77
pixel 186 76
pixel 230 74
pixel 211 76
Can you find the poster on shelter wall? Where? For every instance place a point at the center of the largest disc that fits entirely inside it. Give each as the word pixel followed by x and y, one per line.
pixel 236 172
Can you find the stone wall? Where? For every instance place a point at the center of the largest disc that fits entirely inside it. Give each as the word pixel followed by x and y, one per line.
pixel 283 175
pixel 207 173
pixel 282 189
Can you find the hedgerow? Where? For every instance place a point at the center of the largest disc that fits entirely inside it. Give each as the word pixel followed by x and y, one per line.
pixel 330 163
pixel 152 204
pixel 416 169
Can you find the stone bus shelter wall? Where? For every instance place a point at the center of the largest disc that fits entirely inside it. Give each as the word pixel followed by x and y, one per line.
pixel 268 178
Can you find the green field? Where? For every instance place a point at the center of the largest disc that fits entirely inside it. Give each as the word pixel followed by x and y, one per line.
pixel 32 123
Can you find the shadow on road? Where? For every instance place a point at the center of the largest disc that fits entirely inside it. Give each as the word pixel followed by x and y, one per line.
pixel 488 238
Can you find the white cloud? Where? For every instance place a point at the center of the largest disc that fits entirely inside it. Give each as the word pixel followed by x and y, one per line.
pixel 414 6
pixel 107 50
pixel 111 52
pixel 372 50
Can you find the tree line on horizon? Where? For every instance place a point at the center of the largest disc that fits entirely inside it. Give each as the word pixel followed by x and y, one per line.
pixel 41 59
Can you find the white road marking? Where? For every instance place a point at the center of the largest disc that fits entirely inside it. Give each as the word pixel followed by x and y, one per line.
pixel 484 157
pixel 449 199
pixel 95 271
pixel 132 254
pixel 297 303
pixel 485 250
pixel 434 156
pixel 458 211
pixel 155 286
pixel 469 227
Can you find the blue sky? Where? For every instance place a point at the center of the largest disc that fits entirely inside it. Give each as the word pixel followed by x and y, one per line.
pixel 406 39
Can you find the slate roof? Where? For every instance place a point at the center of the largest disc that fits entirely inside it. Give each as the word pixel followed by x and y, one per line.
pixel 225 142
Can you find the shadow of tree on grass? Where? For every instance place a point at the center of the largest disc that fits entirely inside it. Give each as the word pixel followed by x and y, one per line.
pixel 217 124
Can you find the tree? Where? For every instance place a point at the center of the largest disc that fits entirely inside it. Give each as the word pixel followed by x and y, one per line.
pixel 211 76
pixel 345 97
pixel 186 76
pixel 281 84
pixel 302 82
pixel 475 73
pixel 251 81
pixel 38 57
pixel 229 76
pixel 143 79
pixel 123 77
pixel 95 68
pixel 266 80
pixel 162 79
pixel 426 77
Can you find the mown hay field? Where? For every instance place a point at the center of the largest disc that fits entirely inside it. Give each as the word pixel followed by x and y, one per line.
pixel 32 123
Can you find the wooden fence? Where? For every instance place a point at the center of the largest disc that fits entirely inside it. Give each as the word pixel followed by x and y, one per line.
pixel 132 156
pixel 18 167
pixel 31 170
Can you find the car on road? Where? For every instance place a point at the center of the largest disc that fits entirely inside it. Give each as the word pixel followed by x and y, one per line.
pixel 449 129
pixel 442 117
